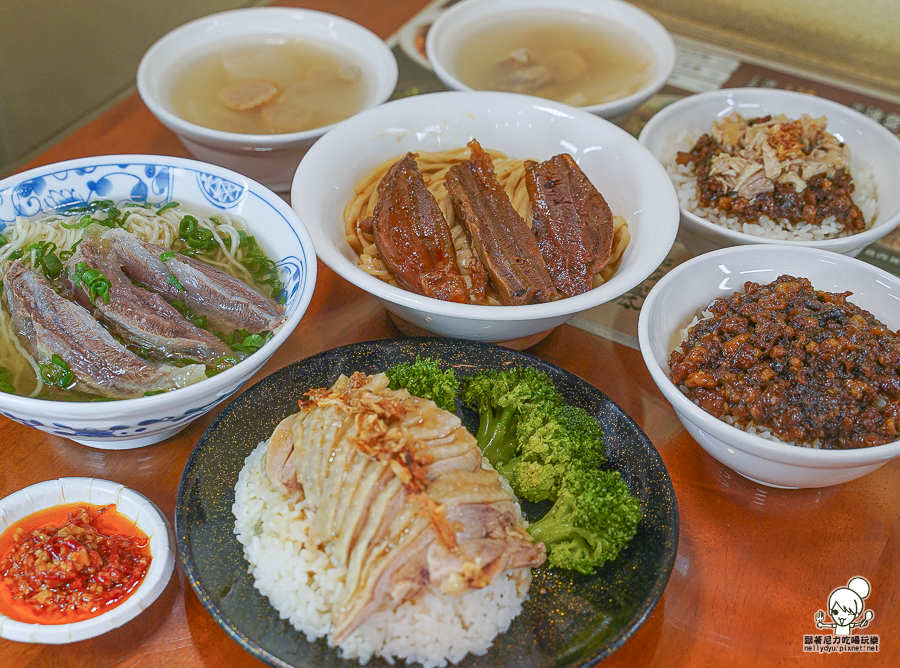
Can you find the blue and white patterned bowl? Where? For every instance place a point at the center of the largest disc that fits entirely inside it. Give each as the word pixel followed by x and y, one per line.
pixel 199 187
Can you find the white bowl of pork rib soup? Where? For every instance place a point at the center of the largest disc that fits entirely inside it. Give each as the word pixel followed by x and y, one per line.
pixel 604 56
pixel 139 292
pixel 755 165
pixel 435 214
pixel 252 89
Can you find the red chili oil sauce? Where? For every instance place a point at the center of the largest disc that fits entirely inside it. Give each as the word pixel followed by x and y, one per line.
pixel 60 565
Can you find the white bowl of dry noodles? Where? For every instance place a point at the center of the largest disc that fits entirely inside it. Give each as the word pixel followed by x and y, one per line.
pixel 335 192
pixel 139 292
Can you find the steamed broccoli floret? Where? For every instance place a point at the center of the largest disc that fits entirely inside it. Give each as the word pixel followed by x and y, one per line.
pixel 503 399
pixel 424 378
pixel 549 446
pixel 593 517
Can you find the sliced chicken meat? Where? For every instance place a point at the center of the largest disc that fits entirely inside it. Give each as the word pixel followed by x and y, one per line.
pixel 399 491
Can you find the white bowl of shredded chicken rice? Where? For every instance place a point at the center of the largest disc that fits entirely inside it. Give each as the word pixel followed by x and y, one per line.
pixel 337 183
pixel 139 292
pixel 783 158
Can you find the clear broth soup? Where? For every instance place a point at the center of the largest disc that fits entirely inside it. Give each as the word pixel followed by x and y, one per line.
pixel 269 88
pixel 577 63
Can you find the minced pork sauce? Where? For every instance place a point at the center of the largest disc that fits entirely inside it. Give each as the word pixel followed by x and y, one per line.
pixel 808 365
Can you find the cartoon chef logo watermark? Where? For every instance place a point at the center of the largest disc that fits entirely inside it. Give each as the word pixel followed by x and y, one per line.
pixel 847 612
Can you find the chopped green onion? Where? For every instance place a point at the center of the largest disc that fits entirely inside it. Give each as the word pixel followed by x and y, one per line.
pixel 190 315
pixel 85 220
pixel 6 381
pixel 57 373
pixel 245 342
pixel 112 215
pixel 45 255
pixel 166 207
pixel 260 266
pixel 173 280
pixel 93 281
pixel 198 239
pixel 168 255
pixel 65 255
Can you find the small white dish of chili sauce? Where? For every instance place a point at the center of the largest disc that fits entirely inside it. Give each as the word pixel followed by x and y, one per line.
pixel 89 593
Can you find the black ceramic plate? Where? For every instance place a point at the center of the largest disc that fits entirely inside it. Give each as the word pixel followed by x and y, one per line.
pixel 569 619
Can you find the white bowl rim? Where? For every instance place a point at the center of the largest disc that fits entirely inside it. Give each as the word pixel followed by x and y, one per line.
pixel 657 123
pixel 734 436
pixel 385 60
pixel 662 43
pixel 155 580
pixel 336 261
pixel 209 386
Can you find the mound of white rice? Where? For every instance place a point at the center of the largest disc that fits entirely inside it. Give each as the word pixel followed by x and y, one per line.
pixel 300 581
pixel 684 177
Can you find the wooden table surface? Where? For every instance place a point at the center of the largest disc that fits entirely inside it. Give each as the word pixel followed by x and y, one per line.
pixel 754 564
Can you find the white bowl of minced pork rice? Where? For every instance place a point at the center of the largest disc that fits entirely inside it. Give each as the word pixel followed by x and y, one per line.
pixel 783 363
pixel 139 292
pixel 754 165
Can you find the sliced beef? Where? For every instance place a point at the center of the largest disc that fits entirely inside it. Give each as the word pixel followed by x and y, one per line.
pixel 229 303
pixel 47 324
pixel 499 236
pixel 136 315
pixel 413 237
pixel 571 221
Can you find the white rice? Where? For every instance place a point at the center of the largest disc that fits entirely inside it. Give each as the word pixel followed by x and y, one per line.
pixel 300 581
pixel 684 177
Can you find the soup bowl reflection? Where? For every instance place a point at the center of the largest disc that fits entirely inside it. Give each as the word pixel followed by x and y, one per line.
pixel 632 181
pixel 200 188
pixel 690 287
pixel 268 158
pixel 609 18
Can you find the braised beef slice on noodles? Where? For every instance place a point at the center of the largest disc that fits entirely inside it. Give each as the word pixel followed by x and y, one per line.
pixel 48 324
pixel 228 303
pixel 397 488
pixel 413 237
pixel 135 315
pixel 571 221
pixel 811 366
pixel 497 233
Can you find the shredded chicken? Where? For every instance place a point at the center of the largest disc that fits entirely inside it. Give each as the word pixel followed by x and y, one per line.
pixel 792 171
pixel 760 153
pixel 399 495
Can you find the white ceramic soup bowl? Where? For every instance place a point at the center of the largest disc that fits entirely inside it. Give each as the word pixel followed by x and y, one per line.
pixel 199 187
pixel 631 180
pixel 268 158
pixel 690 287
pixel 870 145
pixel 450 30
pixel 130 504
